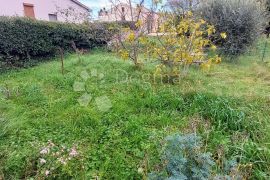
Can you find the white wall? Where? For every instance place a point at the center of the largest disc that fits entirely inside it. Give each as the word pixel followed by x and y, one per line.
pixel 42 8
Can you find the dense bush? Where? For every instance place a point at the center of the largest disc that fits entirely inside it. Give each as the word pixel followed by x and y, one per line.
pixel 21 38
pixel 118 24
pixel 267 14
pixel 242 20
pixel 185 159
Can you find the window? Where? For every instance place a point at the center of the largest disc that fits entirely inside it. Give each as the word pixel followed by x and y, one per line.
pixel 123 17
pixel 52 17
pixel 29 10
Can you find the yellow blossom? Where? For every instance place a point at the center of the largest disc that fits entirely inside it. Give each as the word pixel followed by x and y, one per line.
pixel 213 47
pixel 178 45
pixel 203 21
pixel 189 13
pixel 124 54
pixel 197 26
pixel 138 24
pixel 199 33
pixel 223 35
pixel 131 37
pixel 143 40
pixel 211 30
pixel 218 60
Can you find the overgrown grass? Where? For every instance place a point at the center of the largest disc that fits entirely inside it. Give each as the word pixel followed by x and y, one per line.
pixel 228 106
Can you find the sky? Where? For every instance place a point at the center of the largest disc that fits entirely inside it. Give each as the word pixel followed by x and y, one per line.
pixel 96 5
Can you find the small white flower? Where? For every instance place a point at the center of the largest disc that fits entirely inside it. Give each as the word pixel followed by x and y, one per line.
pixel 51 144
pixel 42 161
pixel 45 151
pixel 73 152
pixel 47 172
pixel 62 161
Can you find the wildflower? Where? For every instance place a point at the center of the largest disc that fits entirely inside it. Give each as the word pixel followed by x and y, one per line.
pixel 42 161
pixel 140 170
pixel 51 144
pixel 73 152
pixel 62 161
pixel 45 150
pixel 47 172
pixel 223 35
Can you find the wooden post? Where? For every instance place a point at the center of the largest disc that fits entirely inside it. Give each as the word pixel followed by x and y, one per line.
pixel 78 52
pixel 62 59
pixel 264 50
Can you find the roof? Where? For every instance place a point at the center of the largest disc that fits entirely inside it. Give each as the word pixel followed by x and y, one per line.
pixel 81 4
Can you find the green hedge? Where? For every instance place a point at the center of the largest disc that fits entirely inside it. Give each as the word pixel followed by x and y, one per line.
pixel 23 39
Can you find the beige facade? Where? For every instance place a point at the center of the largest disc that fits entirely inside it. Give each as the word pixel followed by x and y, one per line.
pixel 123 12
pixel 49 10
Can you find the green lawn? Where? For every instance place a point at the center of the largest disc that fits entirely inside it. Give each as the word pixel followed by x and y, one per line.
pixel 228 107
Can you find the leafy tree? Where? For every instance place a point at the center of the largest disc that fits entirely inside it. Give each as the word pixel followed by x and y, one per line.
pixel 128 40
pixel 177 47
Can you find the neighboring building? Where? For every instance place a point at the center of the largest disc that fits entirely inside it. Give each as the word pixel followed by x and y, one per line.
pixel 49 10
pixel 122 12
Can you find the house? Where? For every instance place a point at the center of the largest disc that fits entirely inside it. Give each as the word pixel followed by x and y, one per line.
pixel 49 10
pixel 123 12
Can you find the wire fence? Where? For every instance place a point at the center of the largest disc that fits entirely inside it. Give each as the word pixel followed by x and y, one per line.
pixel 261 50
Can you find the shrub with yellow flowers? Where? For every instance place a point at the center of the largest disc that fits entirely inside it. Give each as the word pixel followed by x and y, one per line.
pixel 177 47
pixel 132 42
